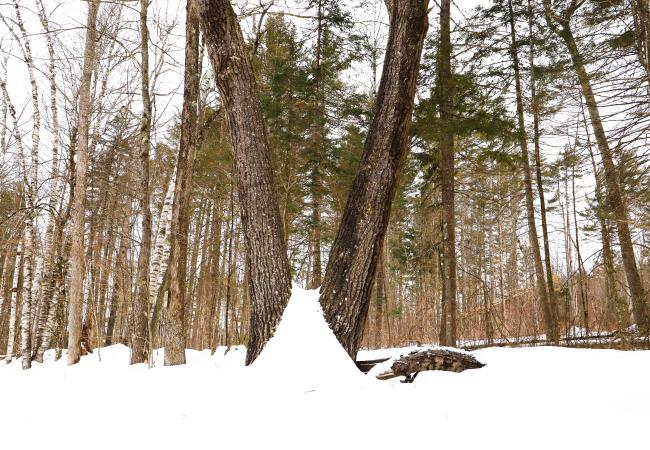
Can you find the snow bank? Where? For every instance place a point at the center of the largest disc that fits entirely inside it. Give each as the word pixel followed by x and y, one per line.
pixel 304 393
pixel 303 352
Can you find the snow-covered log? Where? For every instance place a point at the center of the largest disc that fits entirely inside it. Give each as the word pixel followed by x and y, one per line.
pixel 411 364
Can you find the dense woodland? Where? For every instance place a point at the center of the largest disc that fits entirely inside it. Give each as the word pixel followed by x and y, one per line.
pixel 492 188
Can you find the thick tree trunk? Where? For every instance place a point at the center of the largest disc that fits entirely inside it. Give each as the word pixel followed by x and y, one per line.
pixel 549 309
pixel 614 193
pixel 175 341
pixel 266 258
pixel 446 148
pixel 139 338
pixel 78 266
pixel 345 293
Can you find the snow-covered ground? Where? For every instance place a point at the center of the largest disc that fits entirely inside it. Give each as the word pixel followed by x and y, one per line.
pixel 304 393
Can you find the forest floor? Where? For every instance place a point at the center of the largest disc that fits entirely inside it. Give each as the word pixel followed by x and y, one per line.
pixel 303 392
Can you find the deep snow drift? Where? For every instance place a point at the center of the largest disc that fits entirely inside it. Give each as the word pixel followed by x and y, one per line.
pixel 290 356
pixel 303 393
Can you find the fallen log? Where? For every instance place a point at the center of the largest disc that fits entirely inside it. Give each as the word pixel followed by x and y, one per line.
pixel 410 365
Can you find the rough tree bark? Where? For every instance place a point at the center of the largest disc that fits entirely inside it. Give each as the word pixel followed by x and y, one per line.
pixel 417 361
pixel 549 310
pixel 380 296
pixel 78 266
pixel 561 25
pixel 176 333
pixel 345 293
pixel 266 258
pixel 140 332
pixel 446 149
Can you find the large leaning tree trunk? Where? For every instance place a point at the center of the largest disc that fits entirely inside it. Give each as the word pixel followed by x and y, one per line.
pixel 548 309
pixel 448 334
pixel 345 293
pixel 78 266
pixel 139 344
pixel 176 334
pixel 560 23
pixel 268 277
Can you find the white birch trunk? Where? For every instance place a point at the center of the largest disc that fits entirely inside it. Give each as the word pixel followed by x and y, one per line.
pixel 12 306
pixel 27 244
pixel 44 320
pixel 3 276
pixel 3 110
pixel 31 190
pixel 26 311
pixel 162 244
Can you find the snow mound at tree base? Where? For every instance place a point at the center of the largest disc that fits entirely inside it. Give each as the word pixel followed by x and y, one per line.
pixel 304 352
